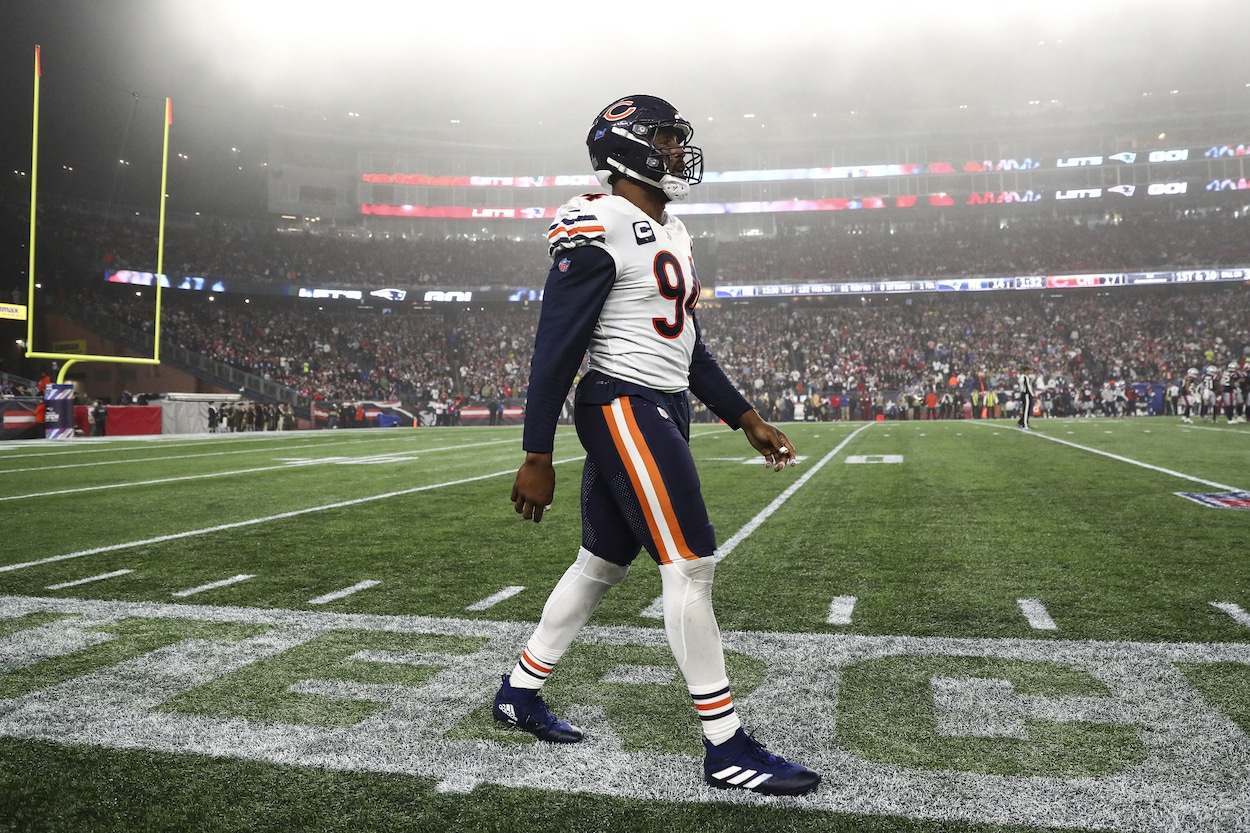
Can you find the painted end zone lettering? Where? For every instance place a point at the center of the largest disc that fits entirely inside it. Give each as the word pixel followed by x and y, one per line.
pixel 1171 760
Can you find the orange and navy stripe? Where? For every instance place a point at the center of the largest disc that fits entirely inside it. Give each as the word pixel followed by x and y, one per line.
pixel 533 668
pixel 644 474
pixel 714 705
pixel 583 226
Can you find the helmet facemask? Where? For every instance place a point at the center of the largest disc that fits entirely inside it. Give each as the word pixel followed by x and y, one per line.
pixel 651 148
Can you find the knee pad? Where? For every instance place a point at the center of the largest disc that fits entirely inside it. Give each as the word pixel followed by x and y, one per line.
pixel 690 622
pixel 601 570
pixel 682 573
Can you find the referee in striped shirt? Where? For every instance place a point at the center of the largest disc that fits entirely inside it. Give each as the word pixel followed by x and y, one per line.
pixel 1028 395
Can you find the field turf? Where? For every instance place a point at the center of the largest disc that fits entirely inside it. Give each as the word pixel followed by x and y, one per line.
pixel 963 626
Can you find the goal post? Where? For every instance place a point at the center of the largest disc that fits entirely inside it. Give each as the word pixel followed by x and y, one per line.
pixel 71 358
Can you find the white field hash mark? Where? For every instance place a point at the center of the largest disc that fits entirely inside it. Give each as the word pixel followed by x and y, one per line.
pixel 840 610
pixel 345 592
pixel 1195 774
pixel 87 580
pixel 1036 613
pixel 212 585
pixel 496 598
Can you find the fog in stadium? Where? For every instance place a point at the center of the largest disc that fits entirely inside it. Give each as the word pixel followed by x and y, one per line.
pixel 532 73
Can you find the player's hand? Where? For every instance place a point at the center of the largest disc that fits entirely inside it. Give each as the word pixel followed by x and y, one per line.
pixel 535 486
pixel 776 448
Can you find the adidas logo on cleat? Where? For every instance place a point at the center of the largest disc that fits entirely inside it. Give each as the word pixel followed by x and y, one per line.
pixel 526 710
pixel 736 776
pixel 743 763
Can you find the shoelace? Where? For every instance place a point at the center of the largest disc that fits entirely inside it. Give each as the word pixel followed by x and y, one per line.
pixel 758 751
pixel 543 711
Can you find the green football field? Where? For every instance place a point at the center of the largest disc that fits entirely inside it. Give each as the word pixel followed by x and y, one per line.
pixel 963 626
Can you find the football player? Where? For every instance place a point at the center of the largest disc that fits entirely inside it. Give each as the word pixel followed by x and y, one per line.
pixel 1206 389
pixel 1191 395
pixel 1229 380
pixel 622 285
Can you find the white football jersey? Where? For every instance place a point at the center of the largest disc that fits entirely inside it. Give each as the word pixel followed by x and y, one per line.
pixel 644 334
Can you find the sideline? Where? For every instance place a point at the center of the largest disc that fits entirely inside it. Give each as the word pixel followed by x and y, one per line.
pixel 1122 459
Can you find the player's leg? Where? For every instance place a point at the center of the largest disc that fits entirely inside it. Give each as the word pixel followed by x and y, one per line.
pixel 661 491
pixel 568 608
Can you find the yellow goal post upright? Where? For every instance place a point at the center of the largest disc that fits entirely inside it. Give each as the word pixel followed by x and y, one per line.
pixel 70 358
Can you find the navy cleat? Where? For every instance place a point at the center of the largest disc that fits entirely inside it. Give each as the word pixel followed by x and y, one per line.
pixel 525 709
pixel 743 763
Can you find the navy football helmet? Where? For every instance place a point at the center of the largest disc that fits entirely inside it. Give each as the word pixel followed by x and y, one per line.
pixel 621 143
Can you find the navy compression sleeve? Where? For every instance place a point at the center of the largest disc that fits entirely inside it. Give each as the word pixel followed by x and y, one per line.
pixel 577 287
pixel 709 382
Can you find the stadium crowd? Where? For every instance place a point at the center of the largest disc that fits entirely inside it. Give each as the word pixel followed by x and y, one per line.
pixel 895 345
pixel 892 345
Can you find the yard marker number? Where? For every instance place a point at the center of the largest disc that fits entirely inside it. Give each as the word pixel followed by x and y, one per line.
pixel 1234 610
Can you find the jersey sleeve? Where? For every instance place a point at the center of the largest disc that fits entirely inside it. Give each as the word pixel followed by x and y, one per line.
pixel 580 279
pixel 709 382
pixel 576 224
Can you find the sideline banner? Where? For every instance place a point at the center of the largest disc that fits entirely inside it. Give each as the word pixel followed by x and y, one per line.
pixel 58 403
pixel 17 419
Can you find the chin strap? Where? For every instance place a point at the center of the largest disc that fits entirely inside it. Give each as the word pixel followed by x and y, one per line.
pixel 675 188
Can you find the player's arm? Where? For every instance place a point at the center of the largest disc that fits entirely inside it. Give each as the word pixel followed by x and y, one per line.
pixel 709 382
pixel 577 287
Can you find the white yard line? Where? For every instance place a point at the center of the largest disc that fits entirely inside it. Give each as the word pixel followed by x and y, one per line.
pixel 248 451
pixel 346 591
pixel 289 464
pixel 148 482
pixel 656 608
pixel 160 539
pixel 738 537
pixel 1234 610
pixel 97 445
pixel 212 585
pixel 1128 460
pixel 87 580
pixel 496 598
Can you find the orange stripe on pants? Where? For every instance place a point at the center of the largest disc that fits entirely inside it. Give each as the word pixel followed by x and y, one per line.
pixel 666 520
